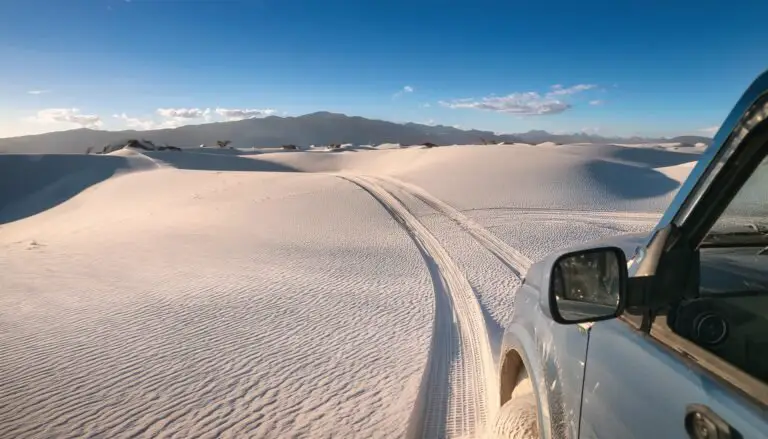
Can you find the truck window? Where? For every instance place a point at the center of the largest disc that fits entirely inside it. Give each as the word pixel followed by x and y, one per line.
pixel 730 315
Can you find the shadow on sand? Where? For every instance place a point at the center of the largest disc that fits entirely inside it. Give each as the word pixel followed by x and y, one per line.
pixel 651 157
pixel 31 184
pixel 216 162
pixel 631 182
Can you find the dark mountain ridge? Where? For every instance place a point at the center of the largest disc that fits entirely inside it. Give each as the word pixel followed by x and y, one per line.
pixel 320 128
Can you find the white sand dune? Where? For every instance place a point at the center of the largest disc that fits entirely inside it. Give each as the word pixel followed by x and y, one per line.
pixel 287 294
pixel 30 184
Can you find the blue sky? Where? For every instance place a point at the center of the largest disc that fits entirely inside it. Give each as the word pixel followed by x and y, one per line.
pixel 611 67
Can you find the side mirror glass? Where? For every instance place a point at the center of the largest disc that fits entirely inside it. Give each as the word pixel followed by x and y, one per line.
pixel 588 285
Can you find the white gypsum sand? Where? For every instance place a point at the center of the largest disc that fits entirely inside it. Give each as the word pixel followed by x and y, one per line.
pixel 358 293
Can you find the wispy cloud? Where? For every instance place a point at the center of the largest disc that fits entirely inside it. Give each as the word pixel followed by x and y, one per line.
pixel 591 130
pixel 169 118
pixel 596 102
pixel 232 114
pixel 526 103
pixel 68 115
pixel 530 103
pixel 38 92
pixel 132 122
pixel 146 124
pixel 404 90
pixel 559 90
pixel 182 113
pixel 426 105
pixel 711 131
pixel 176 117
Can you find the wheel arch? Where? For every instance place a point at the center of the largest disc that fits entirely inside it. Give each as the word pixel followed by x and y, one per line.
pixel 512 367
pixel 518 356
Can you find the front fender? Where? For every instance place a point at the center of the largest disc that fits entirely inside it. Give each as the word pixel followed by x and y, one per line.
pixel 542 345
pixel 516 340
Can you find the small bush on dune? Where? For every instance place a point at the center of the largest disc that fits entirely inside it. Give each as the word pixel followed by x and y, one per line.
pixel 143 144
pixel 133 143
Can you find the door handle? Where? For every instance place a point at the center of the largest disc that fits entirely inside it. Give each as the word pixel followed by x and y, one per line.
pixel 702 423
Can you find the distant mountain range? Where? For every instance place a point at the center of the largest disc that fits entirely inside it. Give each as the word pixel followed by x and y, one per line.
pixel 319 128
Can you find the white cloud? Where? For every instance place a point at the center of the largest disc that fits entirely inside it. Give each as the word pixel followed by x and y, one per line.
pixel 246 113
pixel 404 90
pixel 176 117
pixel 38 92
pixel 148 124
pixel 710 130
pixel 68 115
pixel 596 102
pixel 530 103
pixel 165 117
pixel 527 103
pixel 172 118
pixel 182 113
pixel 426 105
pixel 559 90
pixel 136 123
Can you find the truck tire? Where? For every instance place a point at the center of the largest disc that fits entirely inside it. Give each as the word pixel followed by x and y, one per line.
pixel 517 417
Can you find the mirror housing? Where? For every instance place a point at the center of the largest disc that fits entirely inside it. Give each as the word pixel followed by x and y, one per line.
pixel 588 285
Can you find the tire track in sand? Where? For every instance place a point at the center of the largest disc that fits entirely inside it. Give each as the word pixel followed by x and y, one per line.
pixel 596 217
pixel 512 258
pixel 457 393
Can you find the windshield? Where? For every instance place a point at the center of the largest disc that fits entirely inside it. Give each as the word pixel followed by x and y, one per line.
pixel 748 211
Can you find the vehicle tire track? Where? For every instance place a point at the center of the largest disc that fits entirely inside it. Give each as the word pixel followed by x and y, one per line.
pixel 512 258
pixel 574 214
pixel 457 397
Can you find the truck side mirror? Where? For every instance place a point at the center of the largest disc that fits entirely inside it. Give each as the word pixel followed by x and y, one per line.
pixel 588 285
